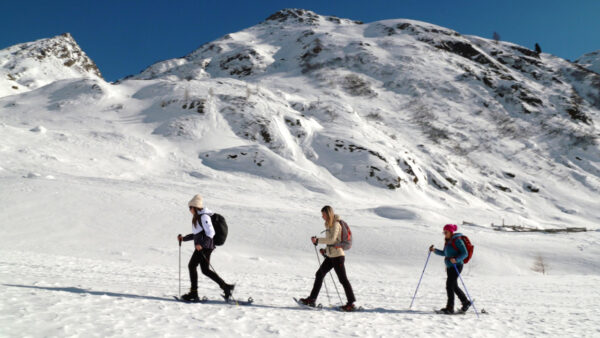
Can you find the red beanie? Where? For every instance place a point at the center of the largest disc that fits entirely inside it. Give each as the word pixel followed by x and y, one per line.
pixel 450 227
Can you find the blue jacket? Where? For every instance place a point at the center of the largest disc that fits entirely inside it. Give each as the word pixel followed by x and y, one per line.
pixel 450 252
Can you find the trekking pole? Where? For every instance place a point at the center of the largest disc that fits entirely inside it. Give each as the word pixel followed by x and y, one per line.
pixel 467 291
pixel 336 288
pixel 215 271
pixel 319 260
pixel 179 267
pixel 422 273
pixel 334 285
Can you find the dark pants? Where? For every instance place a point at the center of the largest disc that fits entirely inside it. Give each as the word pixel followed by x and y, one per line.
pixel 452 287
pixel 337 264
pixel 202 257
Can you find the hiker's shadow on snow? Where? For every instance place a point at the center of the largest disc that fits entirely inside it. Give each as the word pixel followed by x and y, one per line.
pixel 133 296
pixel 394 311
pixel 90 292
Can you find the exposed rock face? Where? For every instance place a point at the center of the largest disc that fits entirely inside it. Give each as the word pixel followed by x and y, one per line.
pixel 363 84
pixel 397 104
pixel 27 66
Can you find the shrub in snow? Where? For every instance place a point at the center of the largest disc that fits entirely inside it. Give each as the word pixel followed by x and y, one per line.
pixel 539 265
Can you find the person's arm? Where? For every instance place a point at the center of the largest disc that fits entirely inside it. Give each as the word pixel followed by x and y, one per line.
pixel 188 237
pixel 207 225
pixel 201 240
pixel 332 235
pixel 439 252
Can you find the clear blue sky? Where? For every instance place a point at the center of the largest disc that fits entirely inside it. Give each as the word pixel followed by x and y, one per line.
pixel 125 36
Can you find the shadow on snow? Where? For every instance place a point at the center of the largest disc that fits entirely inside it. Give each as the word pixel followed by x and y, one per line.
pixel 90 292
pixel 133 296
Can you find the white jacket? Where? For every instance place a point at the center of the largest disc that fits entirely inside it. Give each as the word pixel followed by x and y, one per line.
pixel 333 236
pixel 206 223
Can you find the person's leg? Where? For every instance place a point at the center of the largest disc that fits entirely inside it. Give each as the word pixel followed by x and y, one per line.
pixel 319 276
pixel 205 267
pixel 457 290
pixel 194 260
pixel 340 271
pixel 451 284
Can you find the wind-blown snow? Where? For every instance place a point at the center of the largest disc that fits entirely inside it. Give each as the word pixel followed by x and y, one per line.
pixel 401 125
pixel 590 61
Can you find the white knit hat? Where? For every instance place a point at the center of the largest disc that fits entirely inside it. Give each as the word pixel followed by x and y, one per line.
pixel 196 201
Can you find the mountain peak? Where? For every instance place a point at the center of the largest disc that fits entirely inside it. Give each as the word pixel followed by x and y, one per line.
pixel 394 104
pixel 303 16
pixel 590 61
pixel 30 65
pixel 65 48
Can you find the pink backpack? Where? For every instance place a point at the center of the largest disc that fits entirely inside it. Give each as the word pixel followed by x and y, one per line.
pixel 346 242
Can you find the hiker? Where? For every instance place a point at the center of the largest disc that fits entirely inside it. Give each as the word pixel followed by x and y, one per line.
pixel 334 259
pixel 202 234
pixel 455 252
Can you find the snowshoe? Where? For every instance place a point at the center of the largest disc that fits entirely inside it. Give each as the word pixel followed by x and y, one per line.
pixel 307 301
pixel 348 308
pixel 191 296
pixel 228 291
pixel 465 307
pixel 445 311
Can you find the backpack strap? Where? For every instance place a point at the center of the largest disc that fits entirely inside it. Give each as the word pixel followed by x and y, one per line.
pixel 337 245
pixel 453 242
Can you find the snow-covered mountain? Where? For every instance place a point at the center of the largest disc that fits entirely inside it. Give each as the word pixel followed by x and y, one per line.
pixel 405 106
pixel 399 104
pixel 590 61
pixel 401 125
pixel 28 66
pixel 402 109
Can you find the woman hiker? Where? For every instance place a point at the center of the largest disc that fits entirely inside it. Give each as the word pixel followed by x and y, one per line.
pixel 202 234
pixel 334 259
pixel 454 255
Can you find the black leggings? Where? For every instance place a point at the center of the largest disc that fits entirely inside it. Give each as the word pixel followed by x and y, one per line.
pixel 452 287
pixel 337 264
pixel 202 257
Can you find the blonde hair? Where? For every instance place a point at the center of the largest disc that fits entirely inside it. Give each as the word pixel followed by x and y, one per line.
pixel 329 214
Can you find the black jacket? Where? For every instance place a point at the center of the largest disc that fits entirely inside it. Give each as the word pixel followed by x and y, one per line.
pixel 200 238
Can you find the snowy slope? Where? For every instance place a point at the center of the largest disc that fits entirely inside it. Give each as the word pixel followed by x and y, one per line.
pixel 31 65
pixel 401 125
pixel 402 105
pixel 590 61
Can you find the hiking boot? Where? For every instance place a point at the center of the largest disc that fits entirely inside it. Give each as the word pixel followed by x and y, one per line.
pixel 348 307
pixel 228 289
pixel 446 311
pixel 465 307
pixel 191 296
pixel 307 301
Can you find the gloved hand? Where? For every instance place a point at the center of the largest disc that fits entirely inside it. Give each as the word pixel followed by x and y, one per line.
pixel 322 251
pixel 314 240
